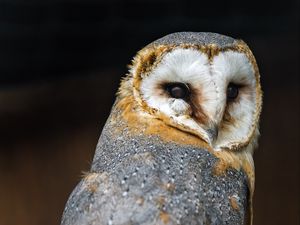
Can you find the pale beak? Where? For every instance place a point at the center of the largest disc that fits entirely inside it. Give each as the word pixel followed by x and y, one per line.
pixel 213 131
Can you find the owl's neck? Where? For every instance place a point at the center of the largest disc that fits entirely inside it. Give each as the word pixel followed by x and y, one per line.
pixel 127 129
pixel 128 133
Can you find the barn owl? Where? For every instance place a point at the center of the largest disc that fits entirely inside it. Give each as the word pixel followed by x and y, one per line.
pixel 177 147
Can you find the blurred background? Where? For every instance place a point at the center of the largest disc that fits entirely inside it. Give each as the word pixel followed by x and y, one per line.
pixel 60 65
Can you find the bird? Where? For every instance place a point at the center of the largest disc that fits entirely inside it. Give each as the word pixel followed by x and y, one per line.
pixel 177 147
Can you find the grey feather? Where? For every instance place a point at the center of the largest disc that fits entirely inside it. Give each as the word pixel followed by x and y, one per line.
pixel 132 174
pixel 138 179
pixel 196 38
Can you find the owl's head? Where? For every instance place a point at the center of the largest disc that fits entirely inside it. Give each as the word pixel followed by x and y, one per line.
pixel 204 84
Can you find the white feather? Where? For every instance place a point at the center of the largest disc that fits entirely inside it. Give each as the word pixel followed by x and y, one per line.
pixel 210 79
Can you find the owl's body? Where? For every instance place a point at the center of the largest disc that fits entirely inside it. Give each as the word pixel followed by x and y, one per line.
pixel 175 149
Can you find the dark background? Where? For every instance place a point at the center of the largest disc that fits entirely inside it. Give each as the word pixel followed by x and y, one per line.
pixel 60 64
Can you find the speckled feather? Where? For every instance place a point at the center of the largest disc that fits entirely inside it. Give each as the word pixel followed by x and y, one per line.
pixel 144 180
pixel 147 172
pixel 195 38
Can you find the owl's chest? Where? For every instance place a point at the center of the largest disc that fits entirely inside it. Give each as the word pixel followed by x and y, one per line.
pixel 170 178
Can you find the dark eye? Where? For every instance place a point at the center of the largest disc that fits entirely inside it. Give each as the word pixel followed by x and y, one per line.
pixel 178 90
pixel 232 91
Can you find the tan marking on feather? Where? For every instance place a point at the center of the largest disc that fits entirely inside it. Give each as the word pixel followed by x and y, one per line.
pixel 140 200
pixel 91 181
pixel 239 160
pixel 164 217
pixel 161 201
pixel 233 202
pixel 169 187
pixel 212 51
pixel 90 177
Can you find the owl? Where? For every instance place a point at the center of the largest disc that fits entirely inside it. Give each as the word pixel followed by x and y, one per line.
pixel 177 147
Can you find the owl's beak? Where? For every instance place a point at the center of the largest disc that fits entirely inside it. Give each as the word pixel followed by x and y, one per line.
pixel 213 131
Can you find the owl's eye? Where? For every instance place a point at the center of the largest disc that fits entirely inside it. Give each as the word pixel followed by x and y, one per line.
pixel 232 91
pixel 178 90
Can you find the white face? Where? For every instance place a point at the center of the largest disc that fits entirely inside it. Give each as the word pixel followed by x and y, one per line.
pixel 214 99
